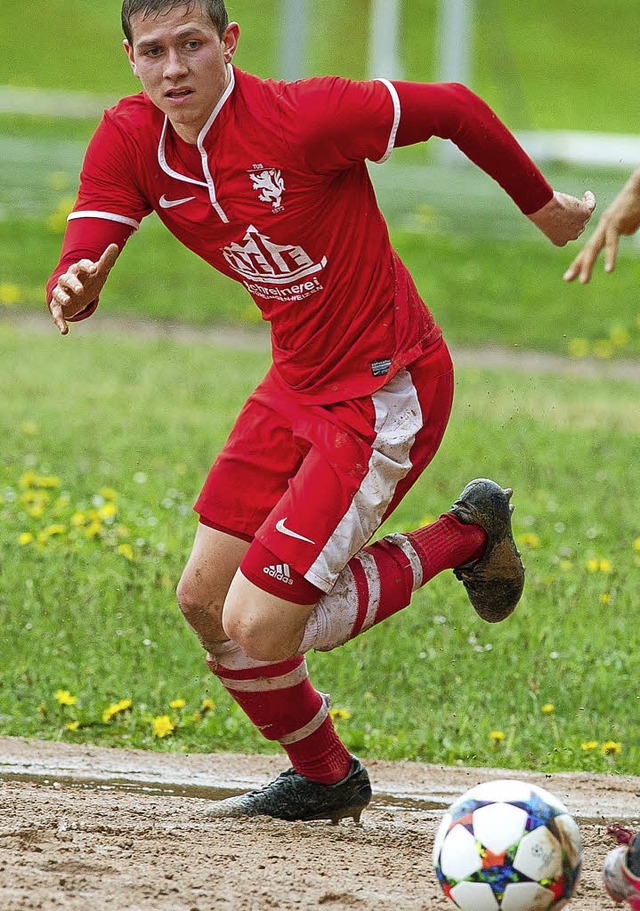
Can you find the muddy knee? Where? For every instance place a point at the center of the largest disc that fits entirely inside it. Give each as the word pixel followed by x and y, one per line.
pixel 201 608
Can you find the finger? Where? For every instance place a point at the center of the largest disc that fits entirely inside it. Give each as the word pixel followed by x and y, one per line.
pixel 589 256
pixel 611 251
pixel 589 200
pixel 108 258
pixel 573 269
pixel 60 296
pixel 71 282
pixel 84 265
pixel 58 318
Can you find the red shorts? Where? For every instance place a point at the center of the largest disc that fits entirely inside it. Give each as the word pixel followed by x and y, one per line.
pixel 314 482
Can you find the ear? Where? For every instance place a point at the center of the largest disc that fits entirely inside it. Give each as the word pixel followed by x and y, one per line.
pixel 229 40
pixel 129 53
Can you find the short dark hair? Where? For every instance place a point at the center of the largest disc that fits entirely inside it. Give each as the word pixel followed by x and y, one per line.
pixel 214 8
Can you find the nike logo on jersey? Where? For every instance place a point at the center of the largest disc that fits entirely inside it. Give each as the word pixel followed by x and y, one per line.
pixel 171 203
pixel 282 528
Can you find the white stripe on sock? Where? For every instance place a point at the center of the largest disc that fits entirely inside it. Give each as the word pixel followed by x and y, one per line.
pixel 310 728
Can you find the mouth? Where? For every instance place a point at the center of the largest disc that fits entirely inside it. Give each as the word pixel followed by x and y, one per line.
pixel 178 94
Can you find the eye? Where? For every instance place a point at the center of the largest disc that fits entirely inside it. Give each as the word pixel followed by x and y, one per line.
pixel 153 52
pixel 193 44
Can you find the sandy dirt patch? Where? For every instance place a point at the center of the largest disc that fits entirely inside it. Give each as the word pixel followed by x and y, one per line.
pixel 86 829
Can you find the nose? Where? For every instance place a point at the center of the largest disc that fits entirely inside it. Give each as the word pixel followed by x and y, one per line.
pixel 175 66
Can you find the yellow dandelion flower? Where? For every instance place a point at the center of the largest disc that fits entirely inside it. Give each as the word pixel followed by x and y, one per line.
pixel 197 717
pixel 48 481
pixel 593 564
pixel 53 530
pixel 64 697
pixel 10 294
pixel 178 704
pixel 619 336
pixel 108 493
pixel 496 737
pixel 529 539
pixel 548 708
pixel 589 745
pixel 78 518
pixel 339 714
pixel 636 544
pixel 116 709
pixel 126 551
pixel 610 748
pixel 28 479
pixel 72 725
pixel 163 726
pixel 25 538
pixel 29 428
pixel 606 566
pixel 107 511
pixel 605 598
pixel 208 705
pixel 93 530
pixel 578 347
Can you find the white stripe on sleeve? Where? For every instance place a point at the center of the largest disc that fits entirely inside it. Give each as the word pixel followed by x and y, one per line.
pixel 396 119
pixel 108 216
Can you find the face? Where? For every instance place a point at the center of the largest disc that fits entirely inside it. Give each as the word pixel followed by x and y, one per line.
pixel 182 64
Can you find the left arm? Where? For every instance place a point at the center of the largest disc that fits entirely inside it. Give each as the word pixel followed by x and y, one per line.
pixel 452 111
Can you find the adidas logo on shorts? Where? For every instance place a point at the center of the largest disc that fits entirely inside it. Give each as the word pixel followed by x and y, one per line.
pixel 281 573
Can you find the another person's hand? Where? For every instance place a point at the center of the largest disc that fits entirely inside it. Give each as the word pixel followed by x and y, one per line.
pixel 79 286
pixel 621 217
pixel 564 217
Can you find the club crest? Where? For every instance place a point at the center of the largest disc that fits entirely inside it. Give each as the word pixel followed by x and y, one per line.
pixel 269 183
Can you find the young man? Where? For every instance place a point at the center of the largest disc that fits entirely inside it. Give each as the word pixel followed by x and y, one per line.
pixel 267 182
pixel 621 217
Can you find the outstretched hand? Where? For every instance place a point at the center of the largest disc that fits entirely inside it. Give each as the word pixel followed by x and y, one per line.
pixel 564 217
pixel 621 217
pixel 79 286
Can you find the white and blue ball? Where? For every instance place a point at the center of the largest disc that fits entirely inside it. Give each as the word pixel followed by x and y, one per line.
pixel 508 846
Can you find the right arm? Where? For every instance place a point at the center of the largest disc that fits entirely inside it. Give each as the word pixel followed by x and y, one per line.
pixel 108 210
pixel 621 217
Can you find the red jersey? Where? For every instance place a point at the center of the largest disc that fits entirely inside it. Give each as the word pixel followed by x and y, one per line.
pixel 276 195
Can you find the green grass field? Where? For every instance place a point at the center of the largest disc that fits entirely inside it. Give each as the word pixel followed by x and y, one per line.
pixel 106 441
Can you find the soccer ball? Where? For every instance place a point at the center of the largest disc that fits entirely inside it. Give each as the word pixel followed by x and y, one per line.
pixel 508 846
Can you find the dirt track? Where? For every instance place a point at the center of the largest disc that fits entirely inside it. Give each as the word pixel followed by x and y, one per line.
pixel 89 829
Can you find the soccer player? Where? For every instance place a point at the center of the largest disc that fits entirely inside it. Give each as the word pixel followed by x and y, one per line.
pixel 267 182
pixel 621 217
pixel 622 867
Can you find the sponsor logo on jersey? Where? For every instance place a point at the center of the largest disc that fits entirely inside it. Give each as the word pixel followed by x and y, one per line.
pixel 281 572
pixel 271 270
pixel 269 183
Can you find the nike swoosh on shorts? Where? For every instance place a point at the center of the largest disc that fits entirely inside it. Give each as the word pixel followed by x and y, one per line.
pixel 282 528
pixel 170 203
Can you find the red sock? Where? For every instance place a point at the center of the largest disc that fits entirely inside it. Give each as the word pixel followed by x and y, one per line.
pixel 447 543
pixel 282 703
